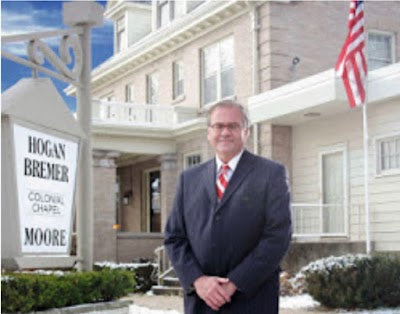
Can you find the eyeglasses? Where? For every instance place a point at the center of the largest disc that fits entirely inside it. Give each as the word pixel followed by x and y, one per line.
pixel 231 127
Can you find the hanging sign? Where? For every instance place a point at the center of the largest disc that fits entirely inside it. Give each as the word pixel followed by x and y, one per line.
pixel 46 168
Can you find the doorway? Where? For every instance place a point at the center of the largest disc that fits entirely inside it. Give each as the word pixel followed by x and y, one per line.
pixel 333 192
pixel 151 221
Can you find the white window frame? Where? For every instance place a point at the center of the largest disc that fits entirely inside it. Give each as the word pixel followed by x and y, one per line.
pixel 193 4
pixel 189 155
pixel 153 79
pixel 121 40
pixel 174 9
pixel 218 72
pixel 178 76
pixel 108 110
pixel 378 156
pixel 392 38
pixel 338 148
pixel 129 93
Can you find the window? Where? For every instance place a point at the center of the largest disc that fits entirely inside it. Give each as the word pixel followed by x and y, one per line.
pixel 152 96
pixel 168 10
pixel 129 98
pixel 380 49
pixel 129 93
pixel 192 160
pixel 179 8
pixel 121 34
pixel 178 79
pixel 107 107
pixel 193 4
pixel 110 97
pixel 218 71
pixel 388 154
pixel 152 88
pixel 163 12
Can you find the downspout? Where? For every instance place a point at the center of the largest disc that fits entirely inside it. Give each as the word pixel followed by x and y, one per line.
pixel 256 75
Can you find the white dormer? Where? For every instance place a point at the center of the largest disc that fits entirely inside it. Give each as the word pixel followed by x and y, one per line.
pixel 132 21
pixel 166 11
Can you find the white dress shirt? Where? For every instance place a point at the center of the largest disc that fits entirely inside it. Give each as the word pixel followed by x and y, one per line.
pixel 232 165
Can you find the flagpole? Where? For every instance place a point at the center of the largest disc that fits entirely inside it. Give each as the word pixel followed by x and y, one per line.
pixel 352 67
pixel 366 160
pixel 366 176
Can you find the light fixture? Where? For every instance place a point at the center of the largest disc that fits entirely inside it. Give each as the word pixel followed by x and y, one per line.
pixel 127 198
pixel 312 114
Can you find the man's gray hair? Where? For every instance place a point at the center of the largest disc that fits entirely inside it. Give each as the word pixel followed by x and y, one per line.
pixel 229 104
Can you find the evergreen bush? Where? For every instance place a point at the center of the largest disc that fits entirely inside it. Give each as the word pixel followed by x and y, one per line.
pixel 355 281
pixel 144 273
pixel 26 292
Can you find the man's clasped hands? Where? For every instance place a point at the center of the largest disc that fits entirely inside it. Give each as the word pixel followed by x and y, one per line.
pixel 215 291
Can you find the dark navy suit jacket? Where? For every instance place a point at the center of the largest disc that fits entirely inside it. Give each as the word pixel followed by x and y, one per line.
pixel 243 237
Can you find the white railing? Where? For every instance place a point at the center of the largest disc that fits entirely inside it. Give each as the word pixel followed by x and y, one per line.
pixel 164 265
pixel 318 220
pixel 135 114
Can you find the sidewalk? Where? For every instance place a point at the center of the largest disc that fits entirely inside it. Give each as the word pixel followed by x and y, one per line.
pixel 176 303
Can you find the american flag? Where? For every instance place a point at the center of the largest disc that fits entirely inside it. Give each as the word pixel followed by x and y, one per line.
pixel 351 65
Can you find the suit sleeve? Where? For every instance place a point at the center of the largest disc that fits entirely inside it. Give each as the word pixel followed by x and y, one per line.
pixel 177 243
pixel 265 258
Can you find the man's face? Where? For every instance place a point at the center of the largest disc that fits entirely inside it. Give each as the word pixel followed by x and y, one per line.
pixel 226 132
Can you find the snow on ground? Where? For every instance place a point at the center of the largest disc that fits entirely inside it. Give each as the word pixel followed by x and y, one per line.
pixel 134 309
pixel 379 311
pixel 304 302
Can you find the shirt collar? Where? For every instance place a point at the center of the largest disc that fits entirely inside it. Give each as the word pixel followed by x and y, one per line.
pixel 232 163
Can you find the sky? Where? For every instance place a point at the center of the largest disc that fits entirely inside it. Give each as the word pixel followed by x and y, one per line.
pixel 22 17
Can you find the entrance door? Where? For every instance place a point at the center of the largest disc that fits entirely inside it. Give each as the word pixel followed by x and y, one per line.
pixel 152 195
pixel 333 218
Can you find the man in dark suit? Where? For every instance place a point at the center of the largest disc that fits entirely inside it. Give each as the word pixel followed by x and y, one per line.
pixel 230 225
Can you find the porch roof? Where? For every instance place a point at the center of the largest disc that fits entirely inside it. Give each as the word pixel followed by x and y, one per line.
pixel 319 96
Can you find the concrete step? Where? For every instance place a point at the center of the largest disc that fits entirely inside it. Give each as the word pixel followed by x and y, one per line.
pixel 171 282
pixel 163 290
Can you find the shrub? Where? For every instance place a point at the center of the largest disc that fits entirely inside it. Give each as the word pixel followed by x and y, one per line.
pixel 355 281
pixel 25 292
pixel 144 273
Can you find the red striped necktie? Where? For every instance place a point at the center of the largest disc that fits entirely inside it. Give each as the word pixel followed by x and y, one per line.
pixel 222 181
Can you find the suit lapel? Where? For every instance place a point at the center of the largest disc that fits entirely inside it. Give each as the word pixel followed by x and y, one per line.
pixel 210 180
pixel 244 167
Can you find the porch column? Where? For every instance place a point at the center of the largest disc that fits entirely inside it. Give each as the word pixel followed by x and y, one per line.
pixel 104 203
pixel 276 143
pixel 169 179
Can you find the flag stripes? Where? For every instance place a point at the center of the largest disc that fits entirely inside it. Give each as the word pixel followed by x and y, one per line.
pixel 351 65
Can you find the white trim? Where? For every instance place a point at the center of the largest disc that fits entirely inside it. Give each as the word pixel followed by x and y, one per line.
pixel 392 36
pixel 342 148
pixel 323 93
pixel 376 147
